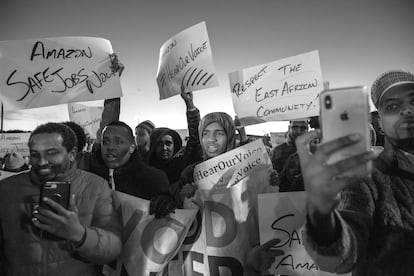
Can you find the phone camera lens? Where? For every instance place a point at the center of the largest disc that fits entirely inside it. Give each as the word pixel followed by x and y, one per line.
pixel 328 102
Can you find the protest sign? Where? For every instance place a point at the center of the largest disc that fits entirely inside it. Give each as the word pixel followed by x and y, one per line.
pixel 148 243
pixel 225 228
pixel 88 117
pixel 14 142
pixel 50 71
pixel 282 216
pixel 186 59
pixel 281 90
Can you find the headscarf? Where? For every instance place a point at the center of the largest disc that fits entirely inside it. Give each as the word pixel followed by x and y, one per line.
pixel 225 121
pixel 156 135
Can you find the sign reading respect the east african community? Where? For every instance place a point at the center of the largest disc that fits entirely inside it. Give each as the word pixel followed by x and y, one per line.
pixel 281 90
pixel 14 142
pixel 282 216
pixel 88 117
pixel 148 243
pixel 51 71
pixel 186 59
pixel 225 228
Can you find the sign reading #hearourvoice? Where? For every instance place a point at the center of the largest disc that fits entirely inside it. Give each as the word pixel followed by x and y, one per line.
pixel 50 71
pixel 231 167
pixel 281 90
pixel 186 59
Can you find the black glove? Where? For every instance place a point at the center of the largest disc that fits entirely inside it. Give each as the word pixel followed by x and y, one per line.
pixel 161 205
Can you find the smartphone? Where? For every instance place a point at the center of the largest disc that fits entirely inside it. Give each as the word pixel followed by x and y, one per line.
pixel 345 111
pixel 58 191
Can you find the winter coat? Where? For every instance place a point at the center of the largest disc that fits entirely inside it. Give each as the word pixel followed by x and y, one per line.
pixel 26 250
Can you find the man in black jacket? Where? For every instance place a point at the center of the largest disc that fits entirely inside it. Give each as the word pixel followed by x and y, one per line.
pixel 117 160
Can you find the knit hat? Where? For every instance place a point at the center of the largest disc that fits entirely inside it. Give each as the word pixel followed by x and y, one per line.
pixel 388 81
pixel 147 125
pixel 14 162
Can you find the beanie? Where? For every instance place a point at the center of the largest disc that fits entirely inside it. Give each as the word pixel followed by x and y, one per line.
pixel 388 81
pixel 147 125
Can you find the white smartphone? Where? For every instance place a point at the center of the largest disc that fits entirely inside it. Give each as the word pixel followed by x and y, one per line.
pixel 345 111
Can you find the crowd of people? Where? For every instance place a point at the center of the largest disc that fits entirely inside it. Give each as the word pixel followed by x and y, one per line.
pixel 359 225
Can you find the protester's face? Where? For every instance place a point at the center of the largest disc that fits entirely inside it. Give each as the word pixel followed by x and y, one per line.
pixel 214 140
pixel 142 136
pixel 396 112
pixel 116 146
pixel 297 128
pixel 165 148
pixel 50 159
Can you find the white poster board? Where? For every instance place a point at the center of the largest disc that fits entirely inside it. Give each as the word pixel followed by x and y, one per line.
pixel 51 71
pixel 186 59
pixel 281 90
pixel 88 117
pixel 14 142
pixel 282 216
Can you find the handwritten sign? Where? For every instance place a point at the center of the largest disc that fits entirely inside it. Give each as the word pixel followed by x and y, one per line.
pixel 149 243
pixel 88 117
pixel 282 90
pixel 14 142
pixel 231 167
pixel 282 216
pixel 50 71
pixel 225 228
pixel 186 58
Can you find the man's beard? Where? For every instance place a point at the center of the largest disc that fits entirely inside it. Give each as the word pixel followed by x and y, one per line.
pixel 406 144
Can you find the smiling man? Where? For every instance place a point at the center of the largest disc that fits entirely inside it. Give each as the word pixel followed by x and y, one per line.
pixel 52 240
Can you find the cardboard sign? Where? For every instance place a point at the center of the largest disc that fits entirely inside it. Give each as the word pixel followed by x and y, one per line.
pixel 281 90
pixel 231 167
pixel 149 243
pixel 14 142
pixel 88 117
pixel 282 216
pixel 50 71
pixel 186 59
pixel 226 227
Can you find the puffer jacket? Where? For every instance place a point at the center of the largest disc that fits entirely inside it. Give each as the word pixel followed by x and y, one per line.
pixel 25 250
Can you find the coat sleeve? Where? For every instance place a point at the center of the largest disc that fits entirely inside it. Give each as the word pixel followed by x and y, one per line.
pixel 103 241
pixel 193 151
pixel 354 217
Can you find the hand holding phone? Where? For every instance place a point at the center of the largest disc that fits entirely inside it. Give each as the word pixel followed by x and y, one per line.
pixel 58 191
pixel 345 111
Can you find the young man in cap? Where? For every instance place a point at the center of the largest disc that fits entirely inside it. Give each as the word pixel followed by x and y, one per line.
pixel 365 225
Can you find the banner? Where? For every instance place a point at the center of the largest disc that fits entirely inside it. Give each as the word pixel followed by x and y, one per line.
pixel 149 243
pixel 186 59
pixel 282 216
pixel 14 142
pixel 281 90
pixel 88 117
pixel 51 71
pixel 226 225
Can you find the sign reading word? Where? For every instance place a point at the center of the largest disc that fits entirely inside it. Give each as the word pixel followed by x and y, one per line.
pixel 186 59
pixel 88 117
pixel 282 90
pixel 51 71
pixel 149 243
pixel 229 168
pixel 14 142
pixel 225 228
pixel 282 216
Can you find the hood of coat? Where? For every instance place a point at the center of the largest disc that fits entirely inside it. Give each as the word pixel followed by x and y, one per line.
pixel 156 136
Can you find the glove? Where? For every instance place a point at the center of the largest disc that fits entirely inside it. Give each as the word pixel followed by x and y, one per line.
pixel 161 205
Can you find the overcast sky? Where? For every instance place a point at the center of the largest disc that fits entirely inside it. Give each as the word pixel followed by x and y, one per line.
pixel 357 40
